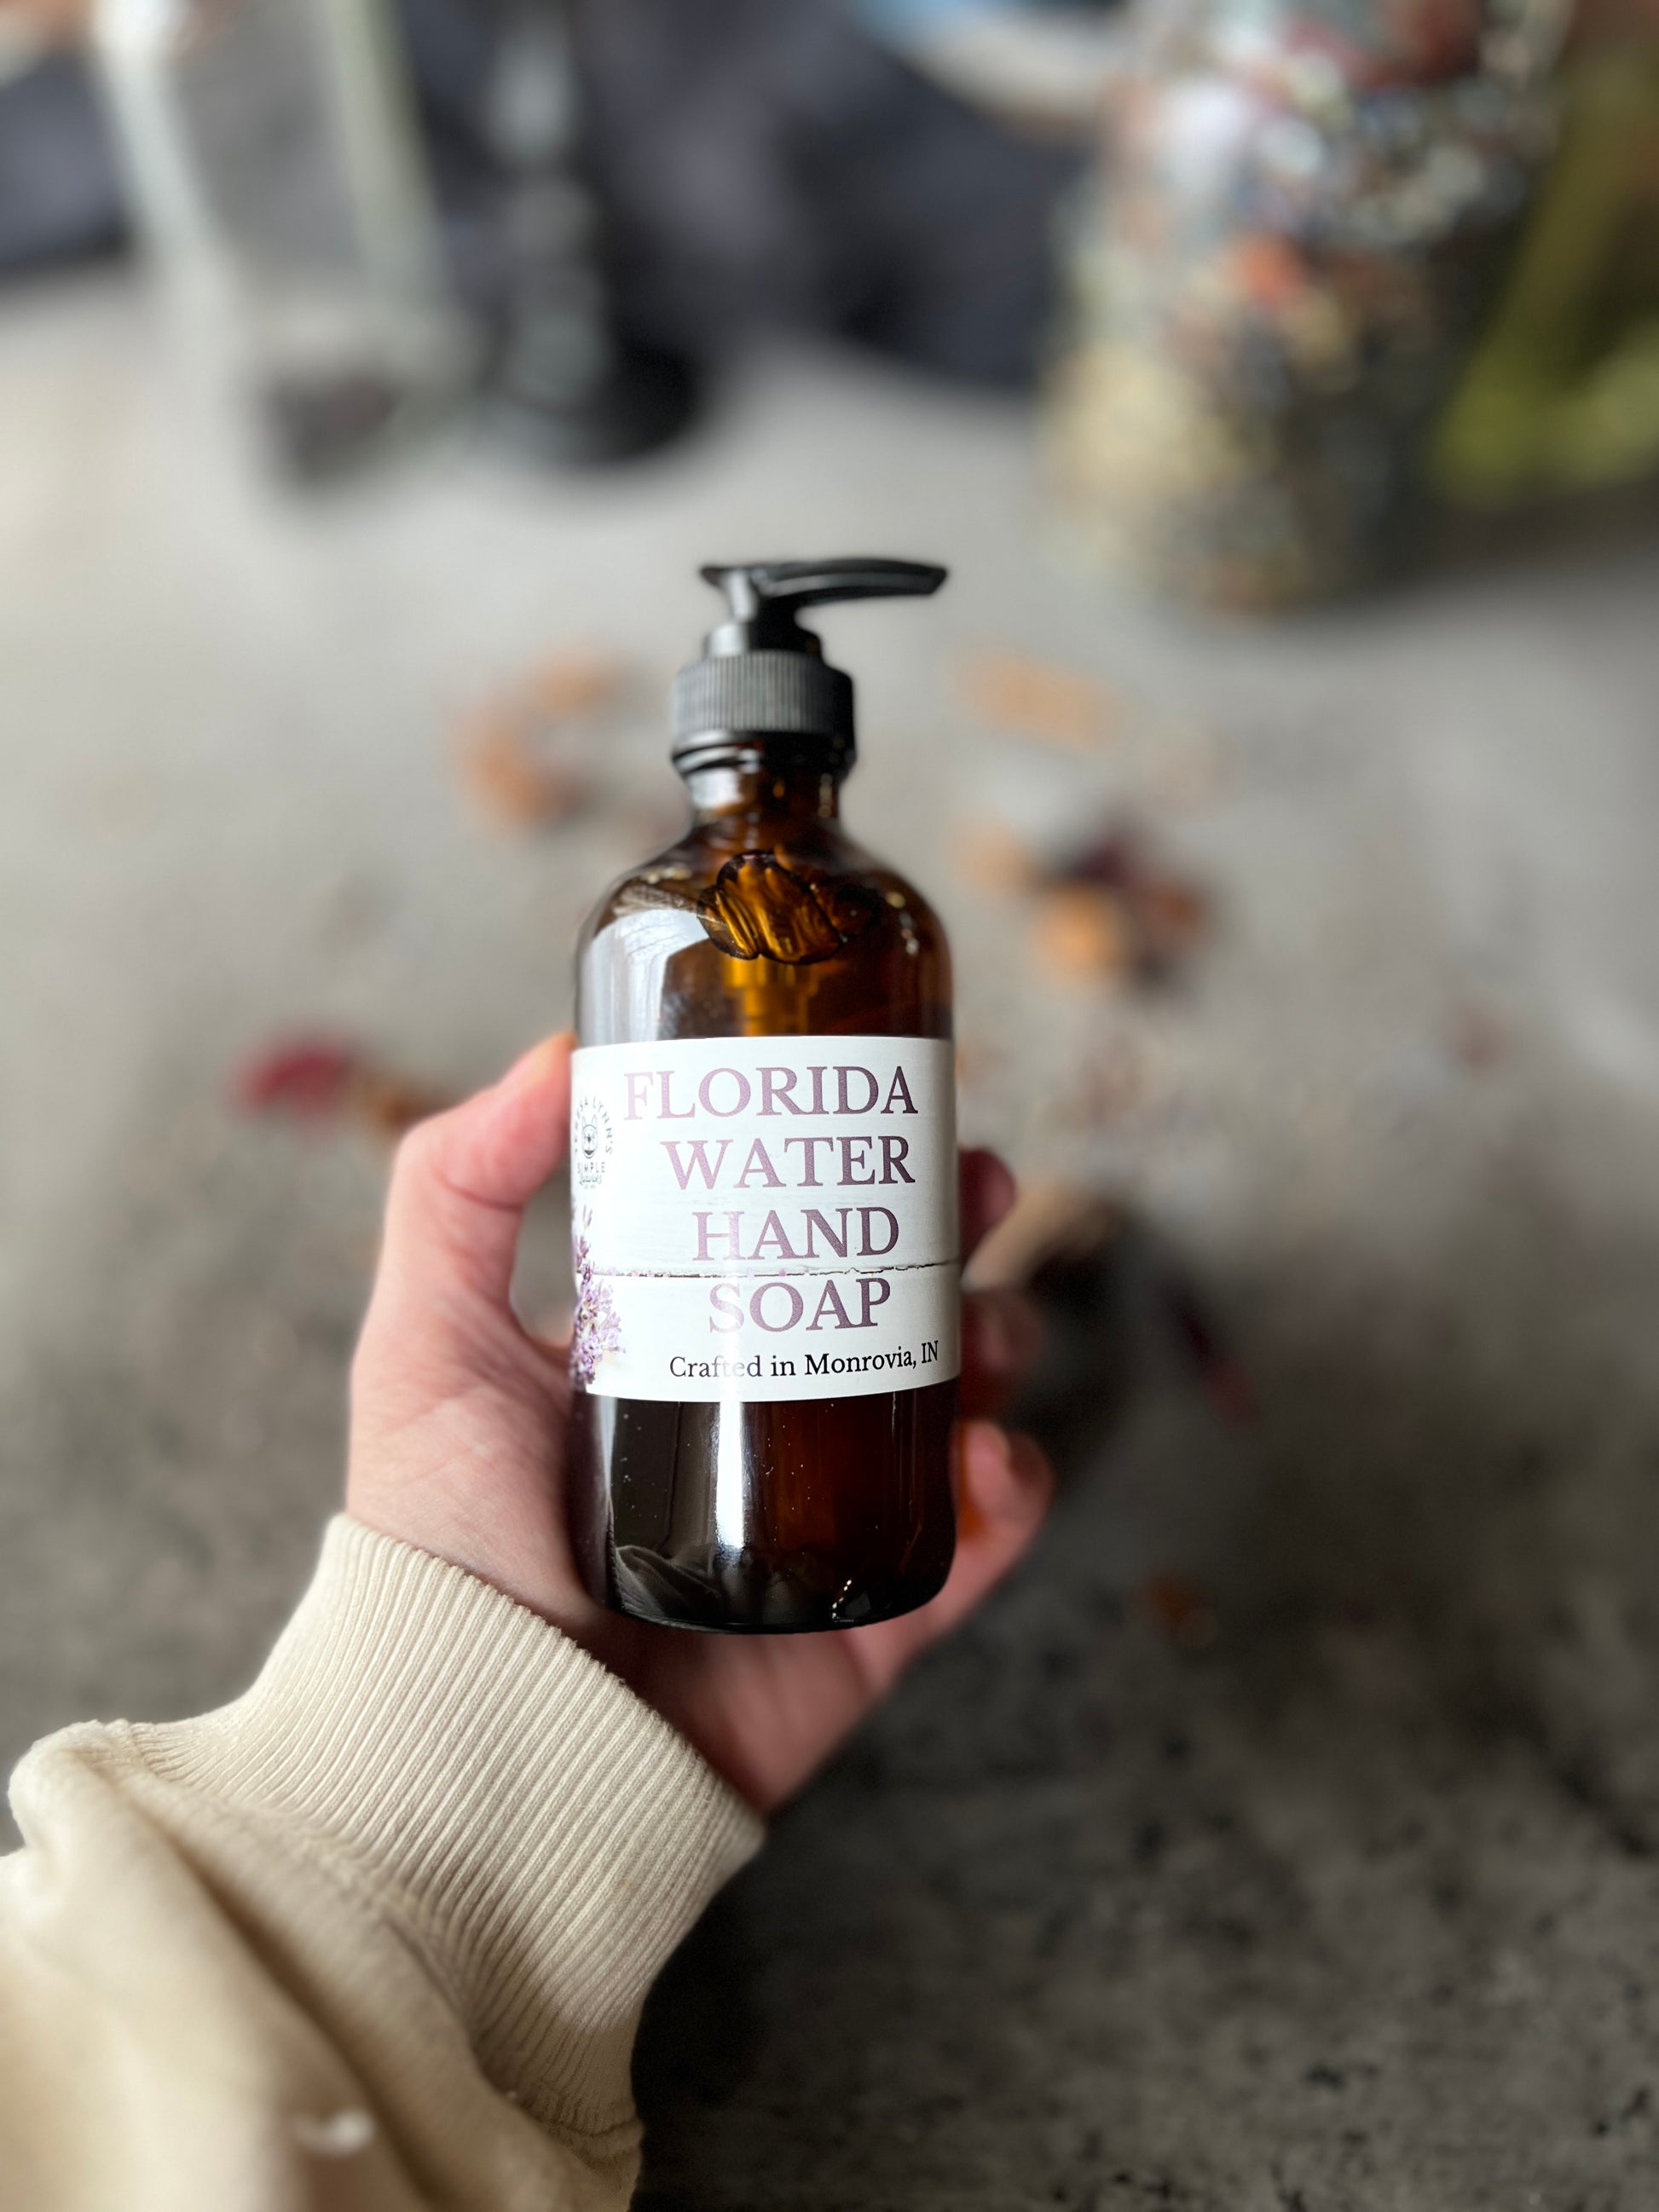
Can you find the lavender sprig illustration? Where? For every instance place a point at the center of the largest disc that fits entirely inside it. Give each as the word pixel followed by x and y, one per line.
pixel 596 1331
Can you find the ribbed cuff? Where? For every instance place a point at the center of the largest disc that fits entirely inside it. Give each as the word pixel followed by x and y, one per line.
pixel 543 1838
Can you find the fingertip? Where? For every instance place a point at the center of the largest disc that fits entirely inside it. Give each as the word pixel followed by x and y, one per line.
pixel 1000 1186
pixel 1002 1338
pixel 526 1110
pixel 984 1446
pixel 1034 1478
pixel 545 1065
pixel 1003 1478
pixel 988 1190
pixel 1003 1489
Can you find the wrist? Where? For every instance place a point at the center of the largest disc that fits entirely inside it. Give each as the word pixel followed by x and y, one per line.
pixel 542 1838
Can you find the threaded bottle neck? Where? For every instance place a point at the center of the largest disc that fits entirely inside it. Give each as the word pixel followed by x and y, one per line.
pixel 768 785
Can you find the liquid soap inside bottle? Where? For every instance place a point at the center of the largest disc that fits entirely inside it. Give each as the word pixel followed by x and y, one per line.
pixel 764 1173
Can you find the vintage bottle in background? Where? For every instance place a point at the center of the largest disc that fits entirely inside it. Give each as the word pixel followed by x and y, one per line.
pixel 566 380
pixel 278 176
pixel 763 1169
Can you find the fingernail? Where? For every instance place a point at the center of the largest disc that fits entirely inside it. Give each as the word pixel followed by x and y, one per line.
pixel 985 1468
pixel 531 1067
pixel 992 1341
pixel 1028 1464
pixel 1008 1332
pixel 1005 1478
pixel 987 1446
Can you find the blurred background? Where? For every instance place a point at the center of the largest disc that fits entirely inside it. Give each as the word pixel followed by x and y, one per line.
pixel 1281 379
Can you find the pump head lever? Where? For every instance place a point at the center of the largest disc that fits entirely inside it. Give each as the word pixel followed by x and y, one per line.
pixel 765 597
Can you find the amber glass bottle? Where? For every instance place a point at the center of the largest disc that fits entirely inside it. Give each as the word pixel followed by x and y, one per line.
pixel 763 1170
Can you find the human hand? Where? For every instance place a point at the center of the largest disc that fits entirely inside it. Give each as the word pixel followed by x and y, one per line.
pixel 458 1422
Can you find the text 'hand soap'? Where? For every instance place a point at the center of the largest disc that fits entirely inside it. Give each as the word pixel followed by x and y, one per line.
pixel 763 1169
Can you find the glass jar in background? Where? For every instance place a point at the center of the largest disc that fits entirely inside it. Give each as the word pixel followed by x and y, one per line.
pixel 568 382
pixel 276 176
pixel 1302 211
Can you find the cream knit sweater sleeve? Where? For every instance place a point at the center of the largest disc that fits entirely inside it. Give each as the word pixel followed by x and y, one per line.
pixel 376 1936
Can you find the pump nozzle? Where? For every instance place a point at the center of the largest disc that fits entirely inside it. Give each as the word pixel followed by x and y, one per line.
pixel 766 597
pixel 762 674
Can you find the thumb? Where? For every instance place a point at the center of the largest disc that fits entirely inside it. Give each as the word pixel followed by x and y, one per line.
pixel 459 1187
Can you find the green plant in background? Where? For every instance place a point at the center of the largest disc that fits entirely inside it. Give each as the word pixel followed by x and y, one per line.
pixel 1563 393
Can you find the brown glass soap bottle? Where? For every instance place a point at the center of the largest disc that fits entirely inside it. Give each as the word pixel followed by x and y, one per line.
pixel 763 1169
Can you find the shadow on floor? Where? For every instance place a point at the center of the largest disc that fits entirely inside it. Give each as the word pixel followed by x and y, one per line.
pixel 1357 1905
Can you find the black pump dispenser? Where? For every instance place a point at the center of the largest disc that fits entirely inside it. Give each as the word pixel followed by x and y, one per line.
pixel 762 674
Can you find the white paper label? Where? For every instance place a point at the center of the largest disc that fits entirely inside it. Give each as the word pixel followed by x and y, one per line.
pixel 764 1217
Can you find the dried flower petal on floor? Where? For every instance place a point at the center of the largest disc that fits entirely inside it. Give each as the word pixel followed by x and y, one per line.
pixel 1222 1378
pixel 386 1103
pixel 509 780
pixel 1183 1608
pixel 992 859
pixel 1083 930
pixel 1479 1040
pixel 1055 706
pixel 516 750
pixel 301 1075
pixel 325 1079
pixel 567 684
pixel 1112 910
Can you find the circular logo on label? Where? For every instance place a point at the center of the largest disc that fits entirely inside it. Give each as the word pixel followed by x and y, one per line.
pixel 590 1143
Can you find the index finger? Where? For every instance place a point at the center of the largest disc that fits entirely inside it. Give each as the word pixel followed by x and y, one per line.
pixel 988 1187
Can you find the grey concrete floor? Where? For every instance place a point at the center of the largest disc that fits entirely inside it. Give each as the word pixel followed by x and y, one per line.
pixel 1357 1906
